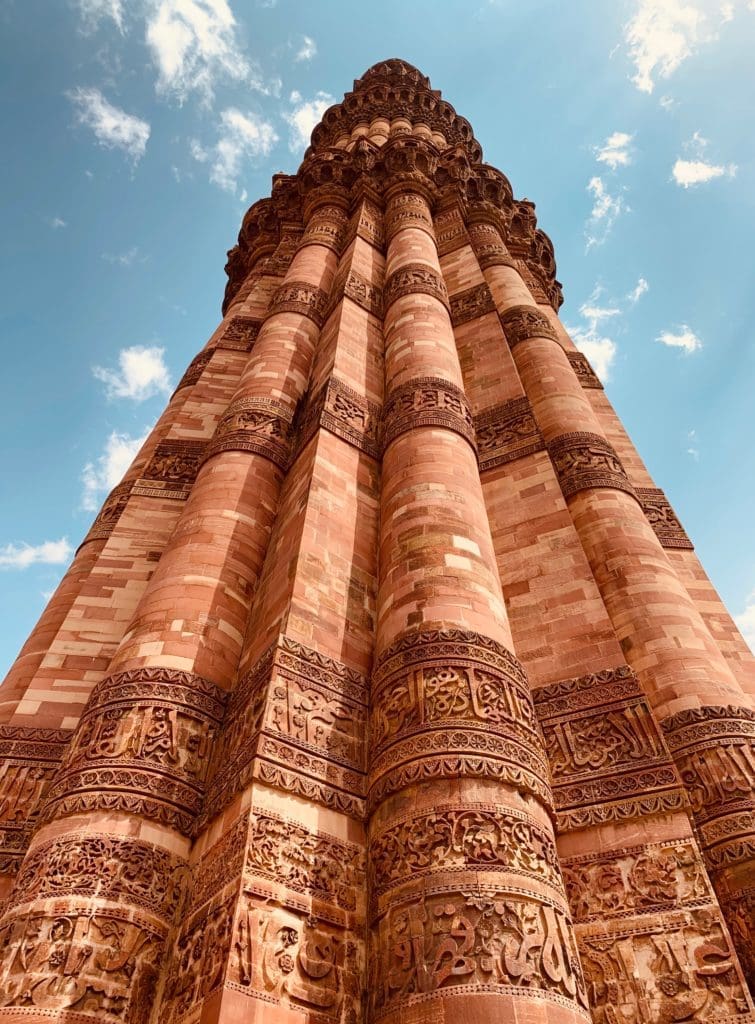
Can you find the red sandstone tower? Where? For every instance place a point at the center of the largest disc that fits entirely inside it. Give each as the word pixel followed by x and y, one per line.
pixel 386 687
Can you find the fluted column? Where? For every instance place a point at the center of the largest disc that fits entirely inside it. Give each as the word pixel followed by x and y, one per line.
pixel 704 714
pixel 124 804
pixel 468 913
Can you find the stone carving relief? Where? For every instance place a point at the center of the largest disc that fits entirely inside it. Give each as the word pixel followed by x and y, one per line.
pixel 102 963
pixel 326 226
pixel 586 376
pixel 480 940
pixel 300 297
pixel 345 413
pixel 426 402
pixel 450 232
pixel 172 469
pixel 200 960
pixel 488 246
pixel 195 369
pixel 583 461
pixel 470 304
pixel 505 433
pixel 110 513
pixel 258 425
pixel 240 334
pixel 367 224
pixel 364 293
pixel 407 210
pixel 412 279
pixel 523 322
pixel 663 519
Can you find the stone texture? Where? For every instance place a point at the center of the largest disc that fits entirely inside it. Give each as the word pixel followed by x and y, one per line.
pixel 387 686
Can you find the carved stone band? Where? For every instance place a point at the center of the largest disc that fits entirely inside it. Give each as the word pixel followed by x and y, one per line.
pixel 470 304
pixel 110 513
pixel 523 322
pixel 583 461
pixel 326 226
pixel 240 334
pixel 586 376
pixel 407 210
pixel 345 413
pixel 300 297
pixel 258 425
pixel 412 279
pixel 143 745
pixel 175 462
pixel 427 402
pixel 195 369
pixel 505 433
pixel 663 519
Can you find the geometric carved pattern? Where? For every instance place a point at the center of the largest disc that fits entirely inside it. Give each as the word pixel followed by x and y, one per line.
pixel 240 334
pixel 300 297
pixel 171 470
pixel 583 460
pixel 607 757
pixel 506 432
pixel 427 402
pixel 663 519
pixel 586 376
pixel 523 322
pixel 258 425
pixel 411 279
pixel 345 413
pixel 364 293
pixel 470 304
pixel 407 210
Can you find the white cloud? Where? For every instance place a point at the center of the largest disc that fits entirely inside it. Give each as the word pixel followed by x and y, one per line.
pixel 638 291
pixel 125 259
pixel 240 137
pixel 304 116
pixel 606 208
pixel 114 128
pixel 109 468
pixel 696 172
pixel 683 338
pixel 615 150
pixel 58 222
pixel 193 44
pixel 661 36
pixel 307 50
pixel 93 11
pixel 746 621
pixel 49 552
pixel 589 337
pixel 667 102
pixel 142 374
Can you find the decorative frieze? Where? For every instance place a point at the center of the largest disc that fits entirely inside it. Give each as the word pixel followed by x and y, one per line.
pixel 259 425
pixel 240 334
pixel 327 227
pixel 450 232
pixel 300 297
pixel 364 293
pixel 584 461
pixel 345 413
pixel 427 402
pixel 506 432
pixel 110 513
pixel 471 304
pixel 407 210
pixel 172 469
pixel 367 224
pixel 663 519
pixel 195 369
pixel 413 279
pixel 586 376
pixel 521 323
pixel 488 246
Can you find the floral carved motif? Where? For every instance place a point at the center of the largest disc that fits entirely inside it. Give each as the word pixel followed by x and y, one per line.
pixel 240 334
pixel 663 519
pixel 469 942
pixel 200 960
pixel 585 374
pixel 505 433
pixel 427 402
pixel 367 224
pixel 261 426
pixel 470 304
pixel 584 461
pixel 523 322
pixel 412 279
pixel 300 297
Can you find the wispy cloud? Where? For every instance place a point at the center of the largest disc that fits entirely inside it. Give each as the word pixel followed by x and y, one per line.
pixel 241 137
pixel 638 291
pixel 94 11
pixel 745 621
pixel 113 128
pixel 194 44
pixel 49 552
pixel 696 172
pixel 125 259
pixel 683 337
pixel 590 336
pixel 142 374
pixel 108 468
pixel 307 49
pixel 693 451
pixel 615 150
pixel 605 211
pixel 57 222
pixel 303 117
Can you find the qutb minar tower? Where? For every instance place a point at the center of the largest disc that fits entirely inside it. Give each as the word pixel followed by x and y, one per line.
pixel 387 686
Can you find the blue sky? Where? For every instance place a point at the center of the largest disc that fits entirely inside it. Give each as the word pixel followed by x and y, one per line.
pixel 138 131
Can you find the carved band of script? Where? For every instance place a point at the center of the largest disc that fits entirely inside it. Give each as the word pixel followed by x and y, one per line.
pixel 523 322
pixel 240 333
pixel 327 227
pixel 258 425
pixel 420 645
pixel 663 519
pixel 505 433
pixel 427 402
pixel 174 462
pixel 345 413
pixel 195 369
pixel 488 247
pixel 110 513
pixel 407 210
pixel 413 279
pixel 300 297
pixel 585 374
pixel 471 304
pixel 584 461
